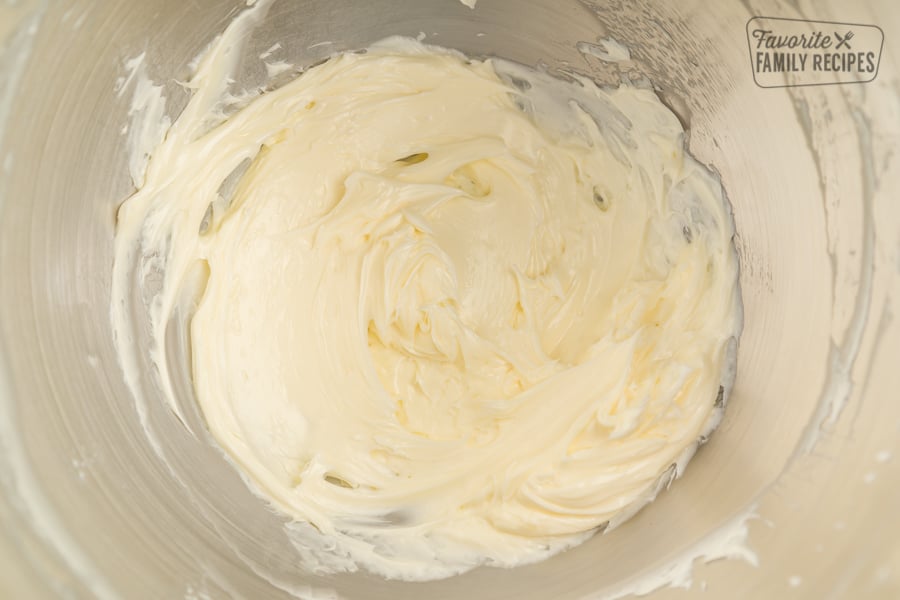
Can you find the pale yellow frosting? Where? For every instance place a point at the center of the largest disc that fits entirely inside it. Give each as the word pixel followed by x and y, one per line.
pixel 456 312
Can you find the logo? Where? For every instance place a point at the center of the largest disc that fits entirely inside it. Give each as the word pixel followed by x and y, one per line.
pixel 794 52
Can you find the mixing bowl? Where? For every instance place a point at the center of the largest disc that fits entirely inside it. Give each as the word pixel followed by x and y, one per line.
pixel 796 492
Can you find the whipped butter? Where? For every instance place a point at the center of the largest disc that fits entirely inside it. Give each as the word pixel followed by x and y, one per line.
pixel 451 312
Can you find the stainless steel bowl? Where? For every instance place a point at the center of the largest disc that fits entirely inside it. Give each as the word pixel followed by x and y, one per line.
pixel 806 462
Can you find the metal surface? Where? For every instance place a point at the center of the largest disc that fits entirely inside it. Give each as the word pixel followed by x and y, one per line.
pixel 88 508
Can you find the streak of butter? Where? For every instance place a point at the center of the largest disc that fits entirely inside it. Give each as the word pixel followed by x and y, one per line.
pixel 457 312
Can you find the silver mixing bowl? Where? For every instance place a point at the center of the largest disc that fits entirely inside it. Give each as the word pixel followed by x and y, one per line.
pixel 806 462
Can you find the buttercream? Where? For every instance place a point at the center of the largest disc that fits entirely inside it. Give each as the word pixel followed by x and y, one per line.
pixel 452 312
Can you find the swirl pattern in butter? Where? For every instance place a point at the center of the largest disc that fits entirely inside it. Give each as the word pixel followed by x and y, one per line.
pixel 455 312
